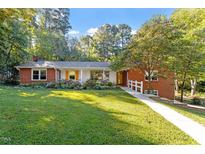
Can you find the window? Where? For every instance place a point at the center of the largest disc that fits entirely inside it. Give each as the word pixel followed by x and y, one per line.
pixel 96 75
pixel 43 74
pixel 107 74
pixel 153 76
pixel 35 74
pixel 72 75
pixel 153 92
pixel 39 74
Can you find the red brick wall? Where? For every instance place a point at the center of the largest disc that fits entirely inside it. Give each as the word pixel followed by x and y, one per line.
pixel 165 86
pixel 25 75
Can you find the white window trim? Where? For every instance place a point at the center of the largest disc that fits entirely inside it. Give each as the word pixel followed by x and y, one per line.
pixel 151 78
pixel 36 69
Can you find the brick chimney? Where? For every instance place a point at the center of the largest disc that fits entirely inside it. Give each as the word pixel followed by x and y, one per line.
pixel 35 58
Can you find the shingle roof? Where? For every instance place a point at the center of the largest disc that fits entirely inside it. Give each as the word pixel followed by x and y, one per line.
pixel 64 64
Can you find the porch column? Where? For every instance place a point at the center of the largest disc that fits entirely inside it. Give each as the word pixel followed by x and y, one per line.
pixel 103 74
pixel 56 74
pixel 81 75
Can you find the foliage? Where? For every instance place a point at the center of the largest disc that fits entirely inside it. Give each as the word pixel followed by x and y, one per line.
pixel 70 84
pixel 28 32
pixel 49 40
pixel 98 84
pixel 89 84
pixel 196 101
pixel 201 86
pixel 149 47
pixel 42 116
pixel 109 41
pixel 15 32
pixel 73 84
pixel 187 57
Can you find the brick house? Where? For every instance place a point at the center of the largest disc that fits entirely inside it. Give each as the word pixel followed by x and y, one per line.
pixel 51 71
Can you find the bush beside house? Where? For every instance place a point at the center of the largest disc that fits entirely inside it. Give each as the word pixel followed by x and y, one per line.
pixel 73 84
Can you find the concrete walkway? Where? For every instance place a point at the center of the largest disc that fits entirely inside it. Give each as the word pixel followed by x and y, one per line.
pixel 190 127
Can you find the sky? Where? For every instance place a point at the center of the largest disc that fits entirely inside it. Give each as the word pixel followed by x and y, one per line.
pixel 86 20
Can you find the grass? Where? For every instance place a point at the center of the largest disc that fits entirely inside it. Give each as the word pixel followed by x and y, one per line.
pixel 196 115
pixel 44 116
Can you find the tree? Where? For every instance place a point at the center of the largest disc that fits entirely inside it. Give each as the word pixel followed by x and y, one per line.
pixel 124 35
pixel 50 34
pixel 73 54
pixel 109 40
pixel 149 48
pixel 188 56
pixel 87 49
pixel 56 20
pixel 15 30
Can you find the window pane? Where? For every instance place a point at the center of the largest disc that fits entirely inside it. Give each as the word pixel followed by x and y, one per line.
pixel 35 74
pixel 155 92
pixel 43 75
pixel 96 75
pixel 72 77
pixel 154 76
pixel 146 77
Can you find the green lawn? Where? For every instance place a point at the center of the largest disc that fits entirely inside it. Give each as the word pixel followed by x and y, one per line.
pixel 44 116
pixel 196 115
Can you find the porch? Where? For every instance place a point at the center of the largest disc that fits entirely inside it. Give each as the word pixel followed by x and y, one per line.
pixel 83 75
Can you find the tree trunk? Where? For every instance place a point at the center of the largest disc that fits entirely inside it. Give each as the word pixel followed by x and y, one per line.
pixel 182 88
pixel 182 94
pixel 149 83
pixel 193 87
pixel 176 86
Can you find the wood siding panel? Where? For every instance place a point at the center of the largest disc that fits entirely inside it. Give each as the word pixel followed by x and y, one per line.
pixel 76 74
pixel 66 74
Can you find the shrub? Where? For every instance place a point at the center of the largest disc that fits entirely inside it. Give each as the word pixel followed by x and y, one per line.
pixel 51 85
pixel 110 84
pixel 73 84
pixel 70 84
pixel 10 82
pixel 201 86
pixel 196 101
pixel 89 84
pixel 98 84
pixel 38 85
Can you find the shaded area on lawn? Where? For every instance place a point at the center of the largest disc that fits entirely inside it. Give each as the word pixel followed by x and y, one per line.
pixel 81 117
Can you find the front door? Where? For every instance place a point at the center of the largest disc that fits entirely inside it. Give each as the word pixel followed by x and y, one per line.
pixel 119 78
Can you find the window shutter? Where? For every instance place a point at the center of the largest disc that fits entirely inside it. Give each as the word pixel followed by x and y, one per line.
pixel 66 74
pixel 76 74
